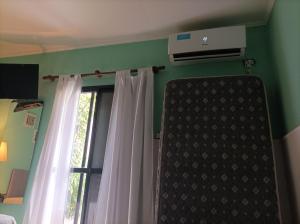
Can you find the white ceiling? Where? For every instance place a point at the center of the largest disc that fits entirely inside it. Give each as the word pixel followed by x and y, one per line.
pixel 37 26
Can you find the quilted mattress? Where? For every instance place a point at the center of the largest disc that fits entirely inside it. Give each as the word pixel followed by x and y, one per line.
pixel 216 161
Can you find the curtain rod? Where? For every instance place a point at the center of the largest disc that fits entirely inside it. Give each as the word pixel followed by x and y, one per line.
pixel 99 74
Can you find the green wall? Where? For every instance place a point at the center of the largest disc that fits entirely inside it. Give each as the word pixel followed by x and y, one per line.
pixel 20 143
pixel 284 31
pixel 140 54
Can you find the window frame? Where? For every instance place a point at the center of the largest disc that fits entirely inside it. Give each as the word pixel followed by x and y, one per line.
pixel 88 170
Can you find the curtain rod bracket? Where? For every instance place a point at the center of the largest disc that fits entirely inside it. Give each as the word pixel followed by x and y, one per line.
pixel 98 73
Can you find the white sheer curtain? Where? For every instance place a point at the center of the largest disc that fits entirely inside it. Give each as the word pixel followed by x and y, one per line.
pixel 47 202
pixel 126 189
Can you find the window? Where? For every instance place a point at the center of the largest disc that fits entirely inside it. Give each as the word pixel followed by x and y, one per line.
pixel 88 153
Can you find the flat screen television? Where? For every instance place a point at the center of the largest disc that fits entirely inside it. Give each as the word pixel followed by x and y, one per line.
pixel 19 81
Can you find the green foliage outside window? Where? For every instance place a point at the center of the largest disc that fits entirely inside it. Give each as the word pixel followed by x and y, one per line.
pixel 77 155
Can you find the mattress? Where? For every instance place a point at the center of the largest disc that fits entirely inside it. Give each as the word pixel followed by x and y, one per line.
pixel 216 160
pixel 5 219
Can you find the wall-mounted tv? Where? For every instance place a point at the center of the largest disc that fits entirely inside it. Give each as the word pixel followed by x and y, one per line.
pixel 19 81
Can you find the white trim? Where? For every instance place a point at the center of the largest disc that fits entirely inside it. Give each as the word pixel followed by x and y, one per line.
pixel 296 129
pixel 94 45
pixel 116 41
pixel 291 143
pixel 270 6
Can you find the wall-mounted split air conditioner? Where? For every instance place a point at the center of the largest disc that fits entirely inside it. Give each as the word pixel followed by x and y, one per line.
pixel 205 45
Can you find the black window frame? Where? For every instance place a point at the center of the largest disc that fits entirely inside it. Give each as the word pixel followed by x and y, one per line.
pixel 88 170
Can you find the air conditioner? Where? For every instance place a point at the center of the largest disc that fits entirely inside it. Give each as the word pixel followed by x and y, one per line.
pixel 205 45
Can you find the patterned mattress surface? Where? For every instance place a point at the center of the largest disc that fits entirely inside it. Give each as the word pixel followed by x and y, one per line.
pixel 216 159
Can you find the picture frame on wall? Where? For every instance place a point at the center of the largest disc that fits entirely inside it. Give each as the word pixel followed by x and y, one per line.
pixel 29 120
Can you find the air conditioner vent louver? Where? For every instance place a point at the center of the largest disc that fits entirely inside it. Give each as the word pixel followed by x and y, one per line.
pixel 206 45
pixel 207 54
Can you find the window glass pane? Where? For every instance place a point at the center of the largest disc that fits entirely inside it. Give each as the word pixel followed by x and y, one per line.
pixel 90 127
pixel 88 154
pixel 75 198
pixel 92 197
pixel 101 128
pixel 81 129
